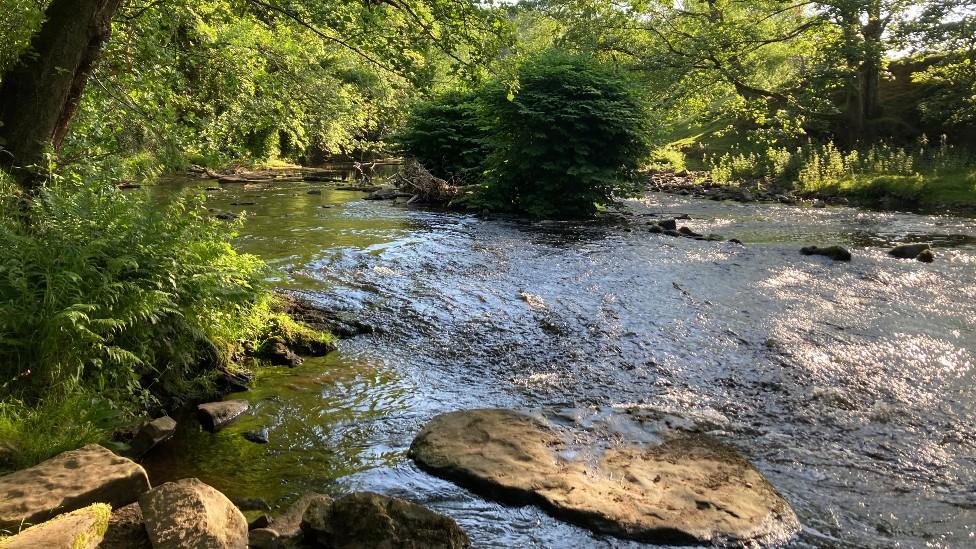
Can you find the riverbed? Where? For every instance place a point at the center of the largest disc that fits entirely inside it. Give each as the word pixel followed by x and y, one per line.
pixel 849 385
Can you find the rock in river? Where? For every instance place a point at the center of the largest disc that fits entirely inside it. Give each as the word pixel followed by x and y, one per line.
pixel 364 520
pixel 189 513
pixel 837 253
pixel 909 251
pixel 81 529
pixel 71 480
pixel 151 434
pixel 687 489
pixel 214 416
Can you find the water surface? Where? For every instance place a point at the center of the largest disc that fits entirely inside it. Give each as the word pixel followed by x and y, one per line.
pixel 850 385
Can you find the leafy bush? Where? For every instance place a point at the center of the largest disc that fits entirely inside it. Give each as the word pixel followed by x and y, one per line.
pixel 446 135
pixel 117 293
pixel 569 139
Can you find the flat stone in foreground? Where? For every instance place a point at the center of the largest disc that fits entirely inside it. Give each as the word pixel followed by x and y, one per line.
pixel 189 513
pixel 688 489
pixel 71 480
pixel 79 529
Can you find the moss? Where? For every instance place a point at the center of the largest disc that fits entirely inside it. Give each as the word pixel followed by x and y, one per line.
pixel 299 337
pixel 91 537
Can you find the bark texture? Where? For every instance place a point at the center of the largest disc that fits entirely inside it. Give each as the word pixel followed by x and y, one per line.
pixel 40 94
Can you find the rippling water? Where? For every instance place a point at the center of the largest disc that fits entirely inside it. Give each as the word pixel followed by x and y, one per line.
pixel 849 385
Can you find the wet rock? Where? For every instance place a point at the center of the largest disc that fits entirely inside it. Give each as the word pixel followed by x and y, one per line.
pixel 818 204
pixel 926 256
pixel 289 523
pixel 235 382
pixel 214 416
pixel 126 530
pixel 338 323
pixel 314 191
pixel 252 504
pixel 837 253
pixel 668 224
pixel 242 203
pixel 735 241
pixel 71 480
pixel 383 194
pixel 189 513
pixel 655 228
pixel 685 231
pixel 909 251
pixel 688 489
pixel 258 436
pixel 262 521
pixel 79 529
pixel 364 520
pixel 264 538
pixel 279 354
pixel 151 434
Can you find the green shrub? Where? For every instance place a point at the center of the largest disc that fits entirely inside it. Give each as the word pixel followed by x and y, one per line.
pixel 569 140
pixel 114 292
pixel 446 135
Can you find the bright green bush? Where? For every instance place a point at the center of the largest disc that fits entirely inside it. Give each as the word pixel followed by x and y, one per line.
pixel 447 136
pixel 570 138
pixel 119 294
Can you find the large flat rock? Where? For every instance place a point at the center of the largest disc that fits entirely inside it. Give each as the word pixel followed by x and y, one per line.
pixel 683 488
pixel 79 529
pixel 69 481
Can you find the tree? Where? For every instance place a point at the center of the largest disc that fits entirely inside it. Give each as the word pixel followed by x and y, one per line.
pixel 40 93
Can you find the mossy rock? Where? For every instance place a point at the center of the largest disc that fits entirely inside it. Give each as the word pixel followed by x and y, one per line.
pixel 297 336
pixel 81 529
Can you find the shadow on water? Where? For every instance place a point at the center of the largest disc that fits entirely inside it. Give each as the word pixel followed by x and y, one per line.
pixel 848 385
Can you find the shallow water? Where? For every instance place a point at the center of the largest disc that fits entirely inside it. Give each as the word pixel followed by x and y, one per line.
pixel 850 386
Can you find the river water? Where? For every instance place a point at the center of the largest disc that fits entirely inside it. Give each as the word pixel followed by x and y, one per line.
pixel 849 385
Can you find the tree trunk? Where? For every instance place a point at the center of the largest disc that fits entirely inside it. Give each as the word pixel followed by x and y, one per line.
pixel 40 94
pixel 870 71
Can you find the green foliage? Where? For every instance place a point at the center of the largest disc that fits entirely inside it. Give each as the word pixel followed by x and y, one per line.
pixel 570 138
pixel 114 292
pixel 30 434
pixel 447 136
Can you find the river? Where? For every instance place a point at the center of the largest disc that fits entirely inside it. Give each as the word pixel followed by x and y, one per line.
pixel 849 385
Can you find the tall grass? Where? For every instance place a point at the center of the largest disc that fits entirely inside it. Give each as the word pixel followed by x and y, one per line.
pixel 880 168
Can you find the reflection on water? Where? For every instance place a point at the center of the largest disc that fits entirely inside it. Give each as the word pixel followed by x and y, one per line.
pixel 849 385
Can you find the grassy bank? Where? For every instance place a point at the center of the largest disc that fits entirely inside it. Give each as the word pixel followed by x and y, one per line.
pixel 956 190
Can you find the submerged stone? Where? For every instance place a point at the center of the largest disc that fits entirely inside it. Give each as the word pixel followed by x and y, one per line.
pixel 687 489
pixel 837 253
pixel 71 480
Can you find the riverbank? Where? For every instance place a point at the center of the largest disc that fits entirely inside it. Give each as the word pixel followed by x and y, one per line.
pixel 947 193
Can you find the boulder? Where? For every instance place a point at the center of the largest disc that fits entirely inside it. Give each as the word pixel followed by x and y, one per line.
pixel 189 513
pixel 909 251
pixel 926 256
pixel 280 355
pixel 214 416
pixel 289 523
pixel 364 520
pixel 126 530
pixel 71 480
pixel 151 434
pixel 79 529
pixel 685 231
pixel 685 489
pixel 837 253
pixel 668 224
pixel 264 538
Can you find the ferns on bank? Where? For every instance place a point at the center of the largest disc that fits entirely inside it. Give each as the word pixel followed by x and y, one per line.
pixel 115 292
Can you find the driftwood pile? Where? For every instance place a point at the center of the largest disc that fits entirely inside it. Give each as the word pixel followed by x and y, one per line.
pixel 413 178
